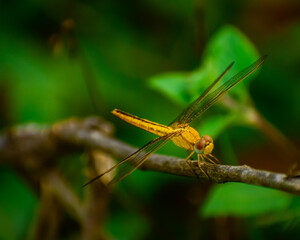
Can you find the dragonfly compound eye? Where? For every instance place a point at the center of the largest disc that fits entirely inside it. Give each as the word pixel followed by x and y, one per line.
pixel 199 145
pixel 207 138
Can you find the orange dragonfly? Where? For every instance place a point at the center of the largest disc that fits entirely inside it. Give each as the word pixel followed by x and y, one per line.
pixel 179 130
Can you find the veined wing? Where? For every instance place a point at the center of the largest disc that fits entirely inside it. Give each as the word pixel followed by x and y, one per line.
pixel 182 118
pixel 207 99
pixel 129 164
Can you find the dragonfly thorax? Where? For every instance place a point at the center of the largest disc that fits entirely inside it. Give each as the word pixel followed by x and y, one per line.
pixel 186 138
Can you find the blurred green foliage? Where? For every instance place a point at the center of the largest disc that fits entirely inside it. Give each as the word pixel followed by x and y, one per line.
pixel 248 201
pixel 18 205
pixel 151 59
pixel 225 46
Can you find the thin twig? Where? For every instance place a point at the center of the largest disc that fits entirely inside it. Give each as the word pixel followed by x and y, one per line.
pixel 87 133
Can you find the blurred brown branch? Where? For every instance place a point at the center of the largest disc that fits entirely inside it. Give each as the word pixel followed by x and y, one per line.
pixel 29 144
pixel 33 150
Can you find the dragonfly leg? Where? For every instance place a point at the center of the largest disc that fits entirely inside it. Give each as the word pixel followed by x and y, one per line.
pixel 206 157
pixel 199 163
pixel 214 158
pixel 189 152
pixel 187 161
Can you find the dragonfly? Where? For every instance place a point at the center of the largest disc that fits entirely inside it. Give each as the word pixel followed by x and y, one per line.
pixel 179 131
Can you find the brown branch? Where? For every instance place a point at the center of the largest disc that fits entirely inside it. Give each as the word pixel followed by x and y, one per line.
pixel 96 199
pixel 49 216
pixel 92 133
pixel 63 193
pixel 89 213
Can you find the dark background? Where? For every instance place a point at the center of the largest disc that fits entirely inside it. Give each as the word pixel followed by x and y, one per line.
pixel 151 58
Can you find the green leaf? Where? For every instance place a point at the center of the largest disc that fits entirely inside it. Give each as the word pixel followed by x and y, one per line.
pixel 226 45
pixel 242 200
pixel 215 124
pixel 172 85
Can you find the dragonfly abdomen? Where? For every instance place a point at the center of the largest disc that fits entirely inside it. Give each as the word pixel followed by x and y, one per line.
pixel 155 128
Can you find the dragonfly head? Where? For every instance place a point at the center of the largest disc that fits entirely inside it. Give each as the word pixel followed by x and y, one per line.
pixel 204 145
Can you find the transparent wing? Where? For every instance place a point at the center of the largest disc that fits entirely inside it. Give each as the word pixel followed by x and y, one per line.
pixel 129 164
pixel 189 110
pixel 207 99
